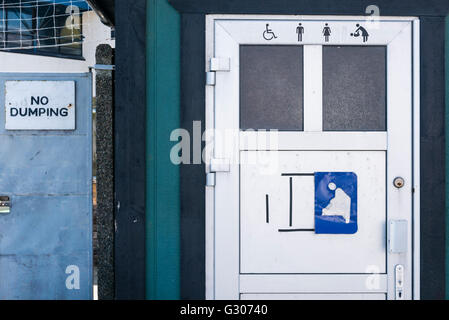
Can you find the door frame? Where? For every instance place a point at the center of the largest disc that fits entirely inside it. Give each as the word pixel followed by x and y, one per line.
pixel 210 103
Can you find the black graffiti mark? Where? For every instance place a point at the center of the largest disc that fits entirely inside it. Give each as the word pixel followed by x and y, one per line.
pixel 267 204
pixel 291 201
pixel 296 230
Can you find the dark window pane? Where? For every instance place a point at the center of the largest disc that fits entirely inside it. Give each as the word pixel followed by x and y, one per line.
pixel 69 36
pixel 41 29
pixel 271 87
pixel 20 20
pixel 354 88
pixel 73 49
pixel 2 21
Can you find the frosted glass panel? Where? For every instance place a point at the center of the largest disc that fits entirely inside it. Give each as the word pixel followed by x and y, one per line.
pixel 354 88
pixel 271 87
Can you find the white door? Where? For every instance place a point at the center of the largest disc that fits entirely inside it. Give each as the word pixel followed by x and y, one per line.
pixel 313 185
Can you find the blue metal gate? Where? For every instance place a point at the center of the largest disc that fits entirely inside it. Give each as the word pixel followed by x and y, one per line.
pixel 46 237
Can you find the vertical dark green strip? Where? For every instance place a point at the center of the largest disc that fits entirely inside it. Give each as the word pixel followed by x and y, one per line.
pixel 163 206
pixel 447 157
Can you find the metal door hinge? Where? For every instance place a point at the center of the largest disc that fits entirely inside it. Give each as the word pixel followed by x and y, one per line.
pixel 220 64
pixel 210 179
pixel 210 78
pixel 220 165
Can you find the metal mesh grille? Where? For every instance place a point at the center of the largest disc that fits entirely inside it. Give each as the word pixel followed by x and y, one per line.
pixel 28 24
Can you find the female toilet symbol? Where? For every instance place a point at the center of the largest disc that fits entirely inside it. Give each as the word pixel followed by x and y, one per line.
pixel 327 32
pixel 361 29
pixel 268 34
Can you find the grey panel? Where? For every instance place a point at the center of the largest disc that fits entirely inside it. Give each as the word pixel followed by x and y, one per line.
pixel 42 276
pixel 48 175
pixel 271 87
pixel 354 88
pixel 44 165
pixel 53 225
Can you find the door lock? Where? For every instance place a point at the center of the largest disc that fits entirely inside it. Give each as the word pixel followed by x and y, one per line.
pixel 399 282
pixel 5 205
pixel 399 182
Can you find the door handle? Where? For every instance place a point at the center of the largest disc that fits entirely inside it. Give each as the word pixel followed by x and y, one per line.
pixel 398 236
pixel 5 205
pixel 399 282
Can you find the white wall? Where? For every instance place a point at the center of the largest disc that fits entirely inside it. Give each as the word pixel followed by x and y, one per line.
pixel 95 33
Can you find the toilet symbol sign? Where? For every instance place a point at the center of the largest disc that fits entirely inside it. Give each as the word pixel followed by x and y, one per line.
pixel 360 32
pixel 335 203
pixel 268 34
pixel 300 31
pixel 327 32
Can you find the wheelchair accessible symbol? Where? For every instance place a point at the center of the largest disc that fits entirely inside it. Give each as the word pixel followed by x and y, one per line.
pixel 268 34
pixel 335 203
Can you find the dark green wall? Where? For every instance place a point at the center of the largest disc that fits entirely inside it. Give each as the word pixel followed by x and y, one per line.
pixel 447 157
pixel 163 108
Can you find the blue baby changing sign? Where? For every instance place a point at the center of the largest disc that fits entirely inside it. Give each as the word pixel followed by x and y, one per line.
pixel 335 203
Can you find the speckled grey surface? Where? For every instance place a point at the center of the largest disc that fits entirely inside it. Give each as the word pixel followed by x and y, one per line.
pixel 105 174
pixel 271 87
pixel 354 88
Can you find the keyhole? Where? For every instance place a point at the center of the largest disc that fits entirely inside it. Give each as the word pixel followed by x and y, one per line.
pixel 399 182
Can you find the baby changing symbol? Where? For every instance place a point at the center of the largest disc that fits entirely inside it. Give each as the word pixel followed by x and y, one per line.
pixel 360 31
pixel 335 203
pixel 340 205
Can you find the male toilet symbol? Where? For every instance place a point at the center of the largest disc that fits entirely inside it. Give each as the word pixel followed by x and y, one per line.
pixel 335 203
pixel 300 32
pixel 359 30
